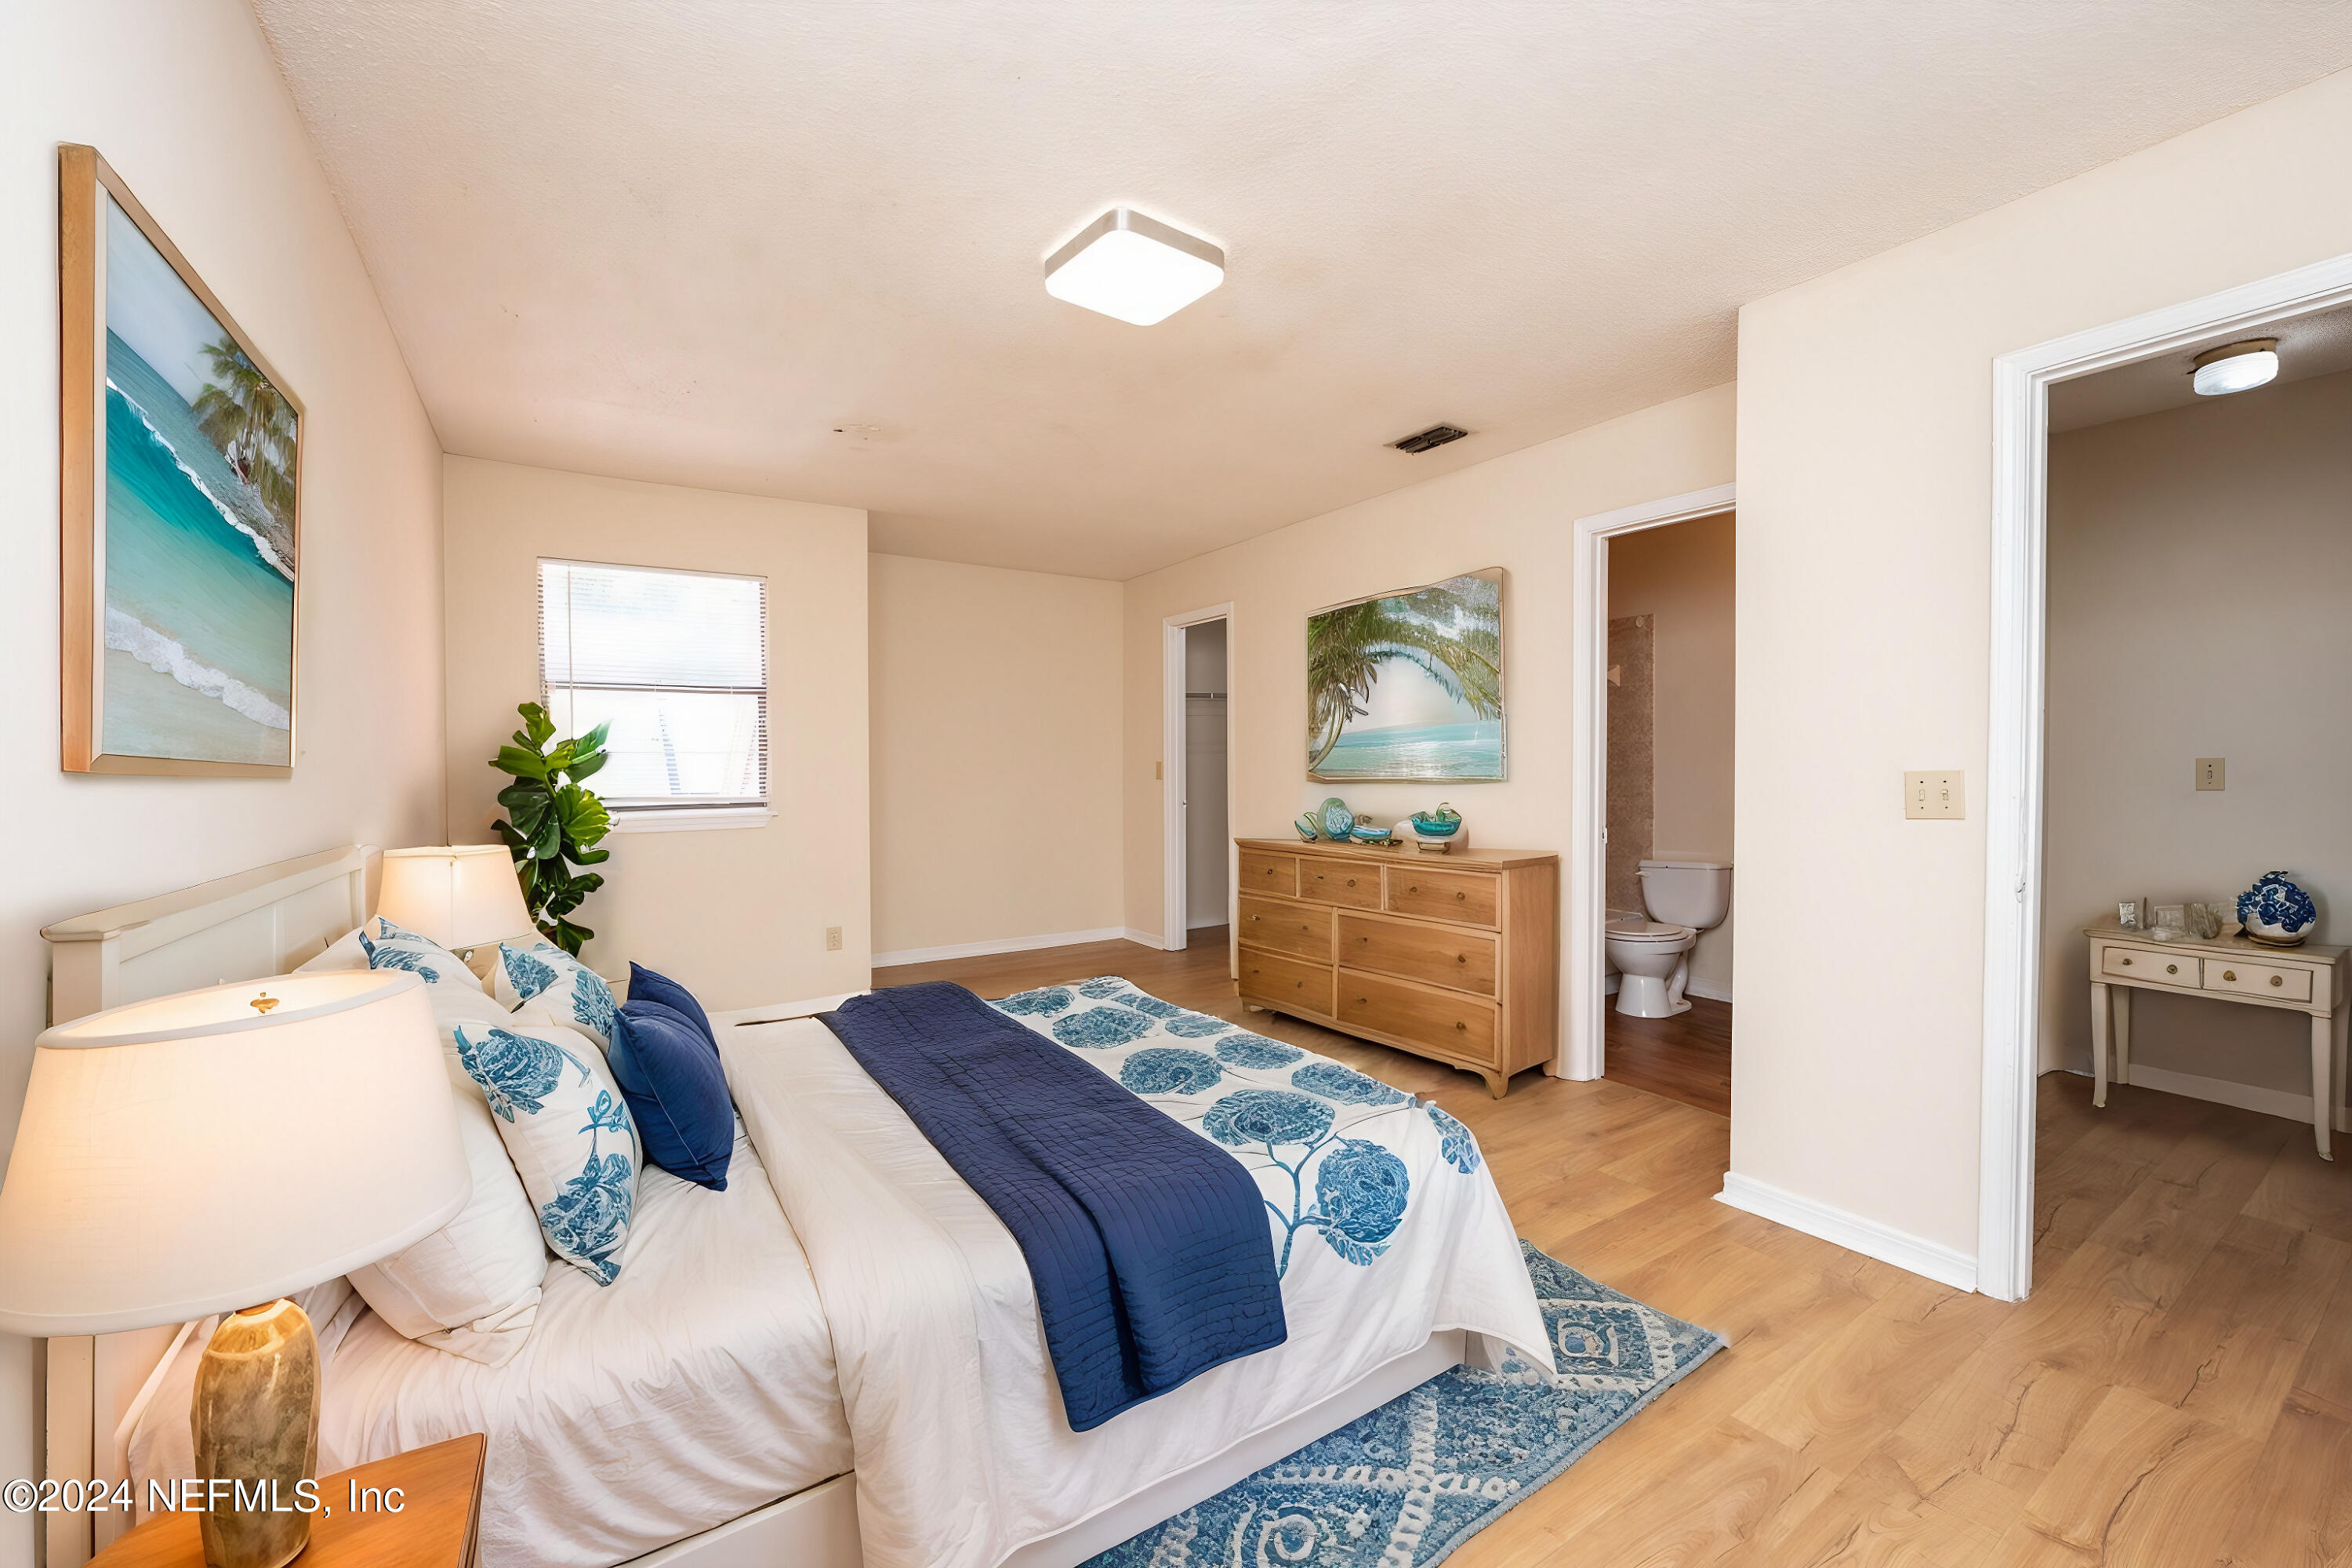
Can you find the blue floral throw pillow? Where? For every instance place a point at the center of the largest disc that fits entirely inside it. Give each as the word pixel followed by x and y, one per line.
pixel 568 1132
pixel 558 983
pixel 389 946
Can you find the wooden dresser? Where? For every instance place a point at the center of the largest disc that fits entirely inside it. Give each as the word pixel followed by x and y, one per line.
pixel 1455 957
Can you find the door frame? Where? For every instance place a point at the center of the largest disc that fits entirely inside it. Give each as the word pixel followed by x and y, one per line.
pixel 1174 919
pixel 1583 1052
pixel 2013 752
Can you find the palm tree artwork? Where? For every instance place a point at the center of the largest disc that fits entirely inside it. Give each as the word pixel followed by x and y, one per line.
pixel 1439 649
pixel 252 424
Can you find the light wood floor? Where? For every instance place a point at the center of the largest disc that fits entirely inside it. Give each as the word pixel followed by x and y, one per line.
pixel 2176 1394
pixel 1685 1058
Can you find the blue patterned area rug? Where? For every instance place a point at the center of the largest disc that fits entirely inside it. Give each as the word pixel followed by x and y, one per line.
pixel 1434 1467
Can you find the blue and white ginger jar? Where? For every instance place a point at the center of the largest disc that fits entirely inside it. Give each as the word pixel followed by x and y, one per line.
pixel 2275 911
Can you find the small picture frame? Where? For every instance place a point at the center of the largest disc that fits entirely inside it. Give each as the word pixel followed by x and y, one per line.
pixel 2127 914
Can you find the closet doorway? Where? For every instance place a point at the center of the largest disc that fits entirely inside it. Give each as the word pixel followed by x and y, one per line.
pixel 1196 773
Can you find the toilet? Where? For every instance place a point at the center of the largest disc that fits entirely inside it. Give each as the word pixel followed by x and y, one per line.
pixel 1651 955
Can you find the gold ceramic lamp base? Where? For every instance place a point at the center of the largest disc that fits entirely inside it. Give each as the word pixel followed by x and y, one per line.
pixel 256 1421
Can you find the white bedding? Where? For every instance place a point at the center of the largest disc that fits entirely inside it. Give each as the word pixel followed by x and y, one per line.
pixel 695 1388
pixel 963 1455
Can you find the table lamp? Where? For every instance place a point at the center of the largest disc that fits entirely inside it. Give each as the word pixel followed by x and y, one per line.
pixel 460 895
pixel 202 1153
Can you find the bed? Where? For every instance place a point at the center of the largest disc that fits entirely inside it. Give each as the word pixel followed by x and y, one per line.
pixel 841 1364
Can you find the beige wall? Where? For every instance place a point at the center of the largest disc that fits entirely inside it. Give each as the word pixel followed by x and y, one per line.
pixel 1865 472
pixel 1683 576
pixel 995 726
pixel 2182 546
pixel 185 102
pixel 1515 512
pixel 737 916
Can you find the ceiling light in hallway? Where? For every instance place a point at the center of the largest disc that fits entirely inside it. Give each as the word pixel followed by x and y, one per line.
pixel 2239 367
pixel 1134 267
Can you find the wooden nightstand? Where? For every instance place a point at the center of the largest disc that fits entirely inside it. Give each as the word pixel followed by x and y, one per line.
pixel 439 1519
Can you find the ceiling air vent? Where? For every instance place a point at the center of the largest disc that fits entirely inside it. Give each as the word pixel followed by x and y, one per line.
pixel 1435 435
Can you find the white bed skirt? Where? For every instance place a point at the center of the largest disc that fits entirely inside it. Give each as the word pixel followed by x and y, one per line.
pixel 818 1528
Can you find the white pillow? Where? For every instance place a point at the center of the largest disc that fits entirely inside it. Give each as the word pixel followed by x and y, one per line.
pixel 343 952
pixel 567 1129
pixel 389 946
pixel 558 982
pixel 472 1286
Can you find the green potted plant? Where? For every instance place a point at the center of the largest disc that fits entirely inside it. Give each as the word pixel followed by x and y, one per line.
pixel 553 824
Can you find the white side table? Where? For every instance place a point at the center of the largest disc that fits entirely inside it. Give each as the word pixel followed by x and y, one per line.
pixel 2308 979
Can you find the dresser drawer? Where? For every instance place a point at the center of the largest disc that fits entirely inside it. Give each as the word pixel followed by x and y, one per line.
pixel 1444 1021
pixel 1462 960
pixel 1346 882
pixel 1263 873
pixel 2278 981
pixel 1285 926
pixel 1473 897
pixel 2150 966
pixel 1286 983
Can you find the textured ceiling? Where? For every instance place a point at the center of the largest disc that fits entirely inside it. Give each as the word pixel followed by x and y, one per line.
pixel 2316 344
pixel 684 240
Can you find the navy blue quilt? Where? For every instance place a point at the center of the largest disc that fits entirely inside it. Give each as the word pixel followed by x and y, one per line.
pixel 1147 1244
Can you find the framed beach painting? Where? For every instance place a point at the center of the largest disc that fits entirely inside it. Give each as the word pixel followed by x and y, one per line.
pixel 180 454
pixel 1409 685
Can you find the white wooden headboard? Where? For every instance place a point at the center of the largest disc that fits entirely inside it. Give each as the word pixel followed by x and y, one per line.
pixel 246 927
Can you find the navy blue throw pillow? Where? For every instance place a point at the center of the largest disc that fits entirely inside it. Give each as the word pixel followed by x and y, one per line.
pixel 644 985
pixel 677 1093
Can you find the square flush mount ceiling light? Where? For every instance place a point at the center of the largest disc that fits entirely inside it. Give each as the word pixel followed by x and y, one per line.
pixel 1134 267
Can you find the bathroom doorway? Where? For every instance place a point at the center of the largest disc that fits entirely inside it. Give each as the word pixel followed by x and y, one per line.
pixel 1588 1000
pixel 1666 940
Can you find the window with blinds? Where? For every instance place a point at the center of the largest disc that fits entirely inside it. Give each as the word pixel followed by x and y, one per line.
pixel 676 662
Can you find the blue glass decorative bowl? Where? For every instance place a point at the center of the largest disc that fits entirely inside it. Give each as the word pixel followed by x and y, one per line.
pixel 1338 823
pixel 1369 834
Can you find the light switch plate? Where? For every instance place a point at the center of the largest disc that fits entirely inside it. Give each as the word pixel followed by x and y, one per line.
pixel 2212 773
pixel 1933 794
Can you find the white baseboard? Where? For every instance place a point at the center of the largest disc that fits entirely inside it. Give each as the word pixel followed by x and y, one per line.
pixel 1851 1231
pixel 1009 944
pixel 1708 989
pixel 2221 1091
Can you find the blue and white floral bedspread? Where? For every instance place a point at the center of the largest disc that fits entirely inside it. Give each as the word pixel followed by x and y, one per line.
pixel 1384 1219
pixel 1297 1120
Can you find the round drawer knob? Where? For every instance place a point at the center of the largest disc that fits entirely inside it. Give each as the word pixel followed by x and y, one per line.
pixel 1254 919
pixel 1461 958
pixel 2229 974
pixel 1362 1001
pixel 2172 968
pixel 2127 964
pixel 1461 895
pixel 2278 979
pixel 1414 888
pixel 1351 882
pixel 1460 1024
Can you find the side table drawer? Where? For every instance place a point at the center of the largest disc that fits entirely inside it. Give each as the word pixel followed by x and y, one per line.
pixel 2276 981
pixel 2151 966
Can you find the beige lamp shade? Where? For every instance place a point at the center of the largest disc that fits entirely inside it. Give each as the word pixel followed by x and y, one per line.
pixel 193 1155
pixel 460 895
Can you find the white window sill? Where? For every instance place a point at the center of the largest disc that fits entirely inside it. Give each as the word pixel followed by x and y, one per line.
pixel 715 819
